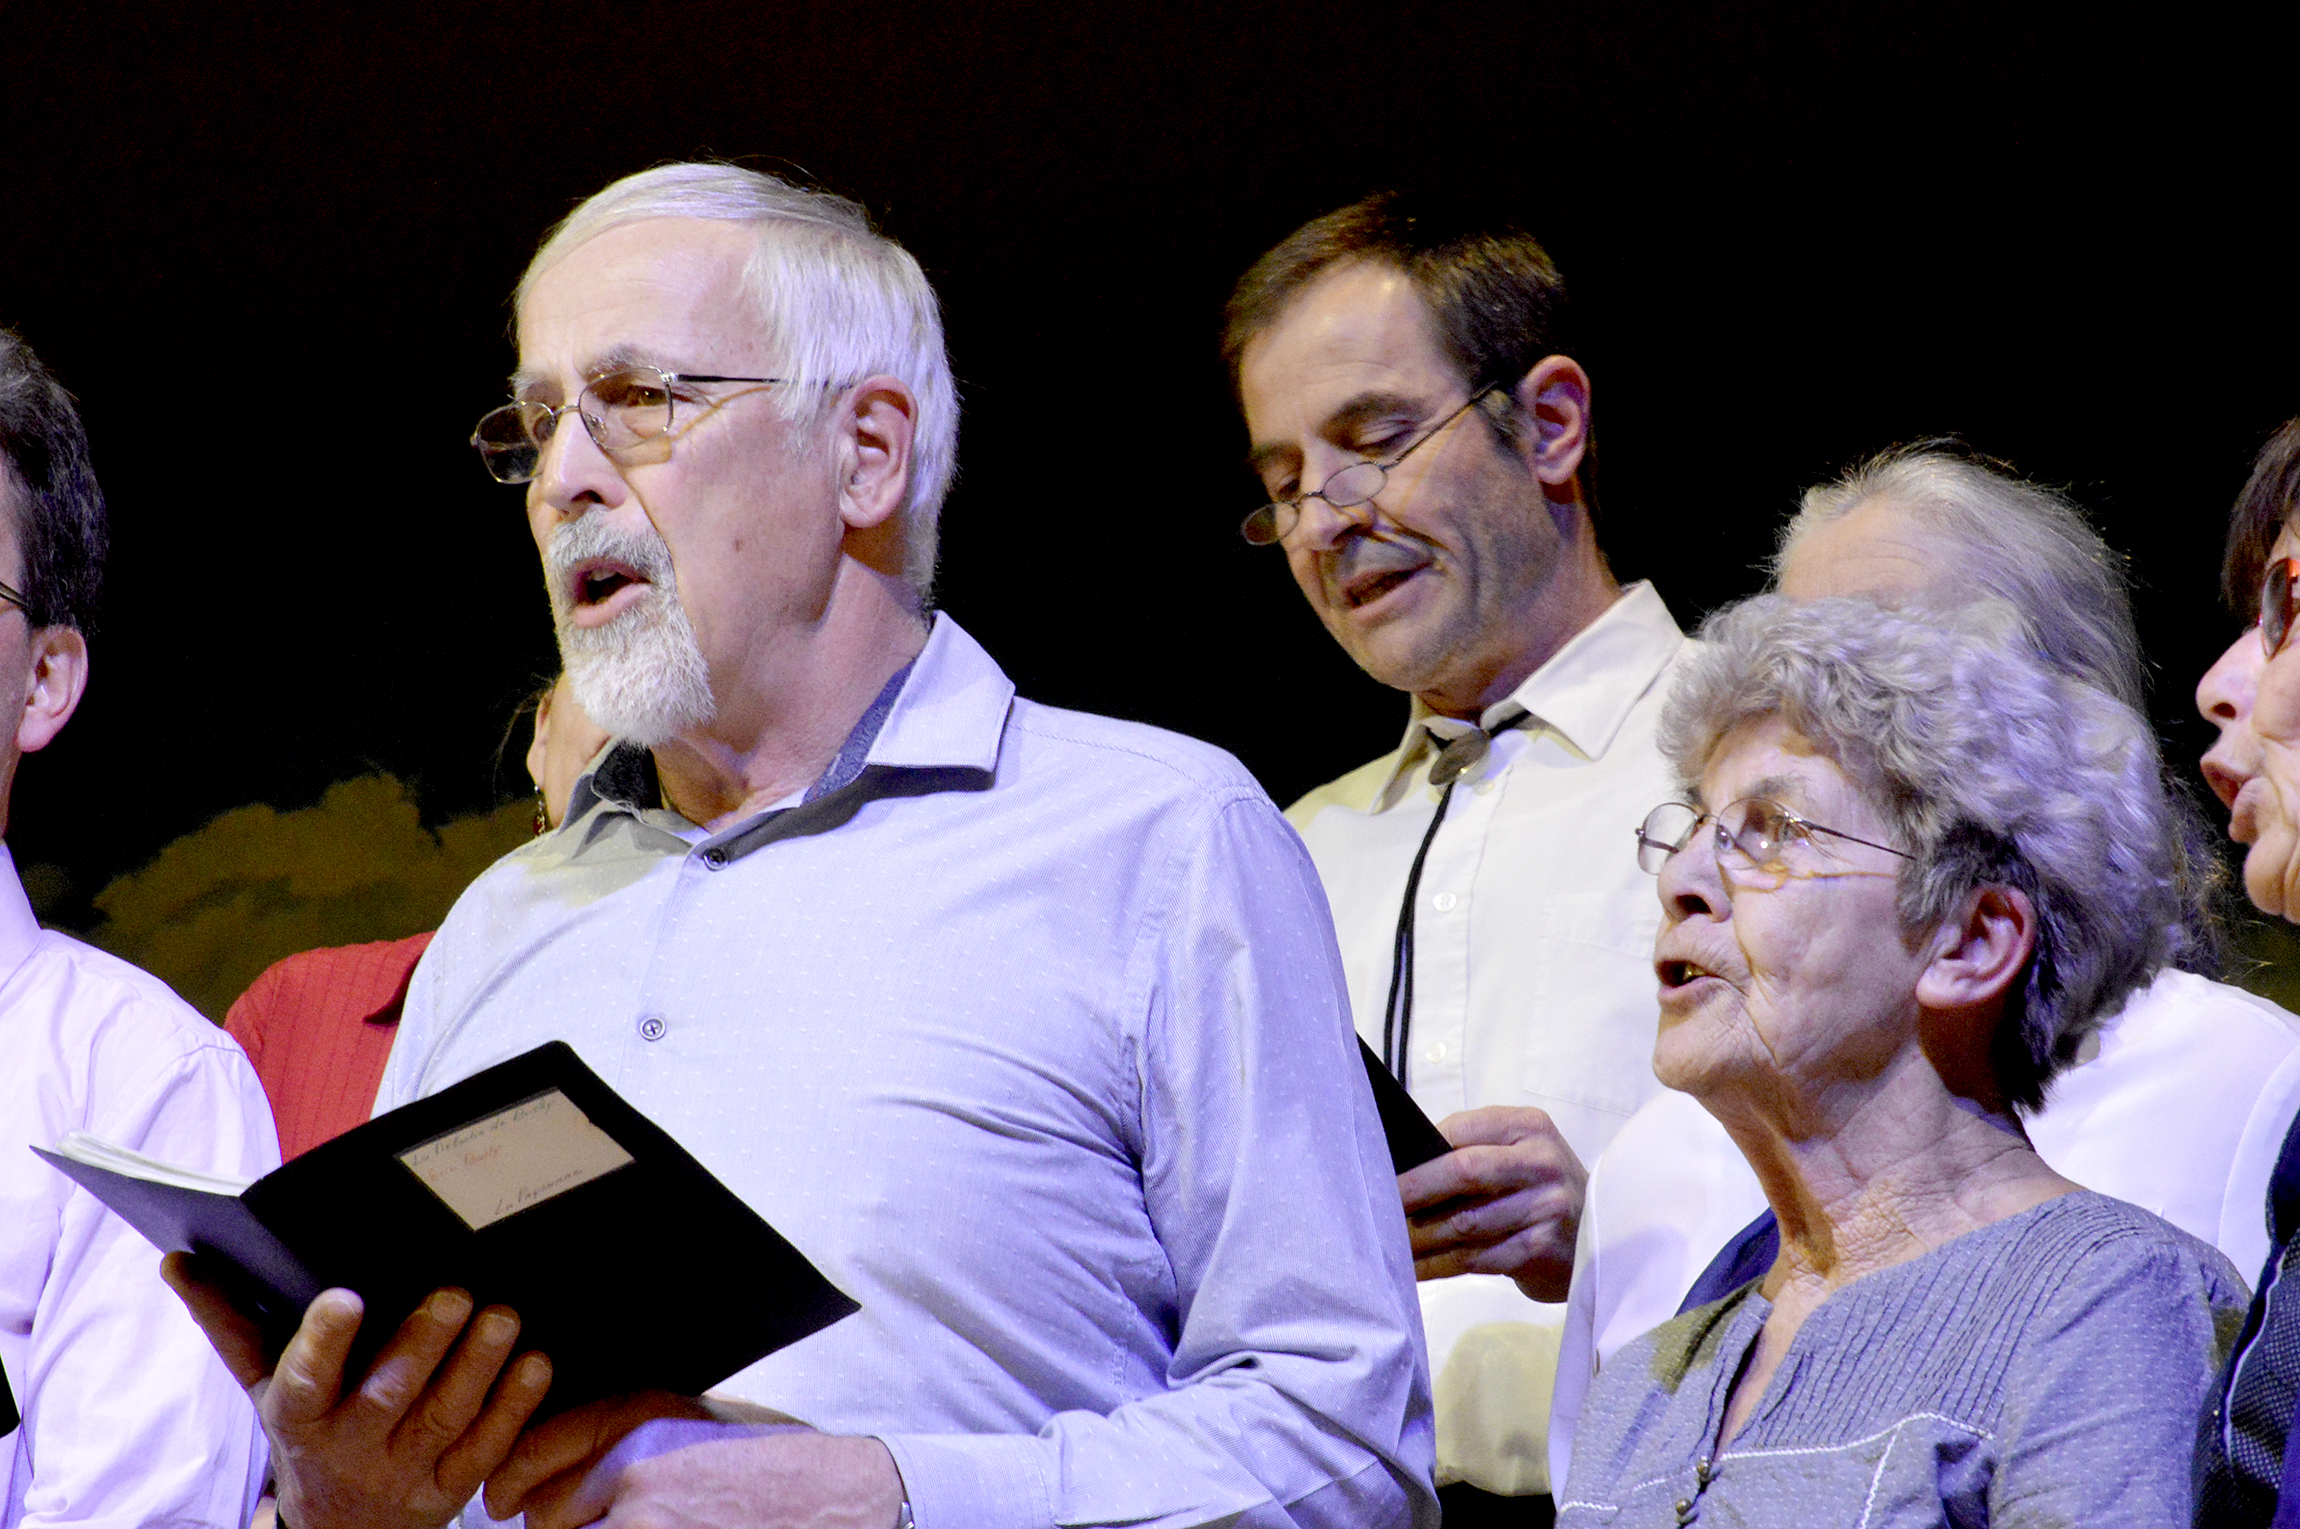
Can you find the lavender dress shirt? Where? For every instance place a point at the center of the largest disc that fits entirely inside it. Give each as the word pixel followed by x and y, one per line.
pixel 1034 1038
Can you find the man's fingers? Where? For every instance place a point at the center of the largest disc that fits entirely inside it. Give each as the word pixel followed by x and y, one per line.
pixel 237 1340
pixel 1496 1150
pixel 1498 1125
pixel 1479 1169
pixel 405 1365
pixel 492 1434
pixel 1541 1263
pixel 458 1389
pixel 1431 1183
pixel 309 1377
pixel 1489 1221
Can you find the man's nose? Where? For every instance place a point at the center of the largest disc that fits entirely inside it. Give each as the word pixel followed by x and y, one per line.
pixel 572 473
pixel 1319 527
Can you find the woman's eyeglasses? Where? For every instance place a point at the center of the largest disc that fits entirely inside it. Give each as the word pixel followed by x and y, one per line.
pixel 1754 833
pixel 2276 603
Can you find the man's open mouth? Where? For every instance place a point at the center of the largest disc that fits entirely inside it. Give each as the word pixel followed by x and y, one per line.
pixel 597 582
pixel 1371 587
pixel 602 588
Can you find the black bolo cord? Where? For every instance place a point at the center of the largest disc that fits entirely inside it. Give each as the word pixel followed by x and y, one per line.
pixel 1454 760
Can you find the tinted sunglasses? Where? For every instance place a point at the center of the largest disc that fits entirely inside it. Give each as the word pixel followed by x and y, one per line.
pixel 2276 603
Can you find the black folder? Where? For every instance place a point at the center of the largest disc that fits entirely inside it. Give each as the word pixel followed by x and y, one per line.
pixel 628 1263
pixel 1412 1139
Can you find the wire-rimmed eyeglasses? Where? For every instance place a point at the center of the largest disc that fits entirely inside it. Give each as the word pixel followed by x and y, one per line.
pixel 1346 487
pixel 619 408
pixel 2276 603
pixel 9 595
pixel 1753 832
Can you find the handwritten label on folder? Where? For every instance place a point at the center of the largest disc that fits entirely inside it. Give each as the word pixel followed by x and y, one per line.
pixel 522 1156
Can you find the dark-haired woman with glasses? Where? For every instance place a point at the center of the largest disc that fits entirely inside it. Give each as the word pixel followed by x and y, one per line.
pixel 2245 1472
pixel 1913 869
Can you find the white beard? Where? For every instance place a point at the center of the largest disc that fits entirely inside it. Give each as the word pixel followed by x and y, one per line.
pixel 641 676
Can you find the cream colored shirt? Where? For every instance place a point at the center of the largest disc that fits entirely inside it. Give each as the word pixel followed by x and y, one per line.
pixel 1533 977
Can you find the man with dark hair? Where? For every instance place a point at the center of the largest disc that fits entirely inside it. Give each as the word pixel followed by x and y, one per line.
pixel 1426 444
pixel 120 1412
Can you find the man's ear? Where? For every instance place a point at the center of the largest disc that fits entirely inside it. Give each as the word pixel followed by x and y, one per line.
pixel 878 421
pixel 1978 956
pixel 59 677
pixel 1554 395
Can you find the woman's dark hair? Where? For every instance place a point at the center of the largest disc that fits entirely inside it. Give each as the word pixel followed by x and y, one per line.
pixel 2270 495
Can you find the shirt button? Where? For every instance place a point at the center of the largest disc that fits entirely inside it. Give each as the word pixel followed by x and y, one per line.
pixel 1437 1051
pixel 652 1027
pixel 1444 902
pixel 716 859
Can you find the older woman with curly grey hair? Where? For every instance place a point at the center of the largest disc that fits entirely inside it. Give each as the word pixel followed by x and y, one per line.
pixel 1914 868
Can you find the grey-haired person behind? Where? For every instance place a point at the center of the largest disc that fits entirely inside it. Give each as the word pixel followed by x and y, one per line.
pixel 1915 866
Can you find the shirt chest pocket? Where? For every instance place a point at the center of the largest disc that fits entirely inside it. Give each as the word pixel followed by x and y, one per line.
pixel 1583 1003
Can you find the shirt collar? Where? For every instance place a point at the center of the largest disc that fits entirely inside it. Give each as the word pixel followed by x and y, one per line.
pixel 1583 694
pixel 19 926
pixel 935 726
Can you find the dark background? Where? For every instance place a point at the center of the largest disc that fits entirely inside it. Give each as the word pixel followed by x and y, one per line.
pixel 270 251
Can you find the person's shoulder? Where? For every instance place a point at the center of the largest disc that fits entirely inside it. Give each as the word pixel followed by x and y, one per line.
pixel 1670 1351
pixel 1142 756
pixel 2112 1241
pixel 100 1001
pixel 2212 1013
pixel 363 980
pixel 328 967
pixel 1354 792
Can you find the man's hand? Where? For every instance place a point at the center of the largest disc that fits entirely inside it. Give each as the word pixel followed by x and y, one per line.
pixel 1506 1200
pixel 406 1449
pixel 796 1480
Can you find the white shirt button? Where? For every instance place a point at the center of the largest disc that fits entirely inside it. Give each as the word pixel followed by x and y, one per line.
pixel 1444 902
pixel 652 1027
pixel 1437 1051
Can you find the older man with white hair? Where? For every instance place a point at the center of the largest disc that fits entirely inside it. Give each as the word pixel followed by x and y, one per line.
pixel 2178 1104
pixel 1026 1026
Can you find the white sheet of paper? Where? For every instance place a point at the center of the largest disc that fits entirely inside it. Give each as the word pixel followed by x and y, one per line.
pixel 515 1158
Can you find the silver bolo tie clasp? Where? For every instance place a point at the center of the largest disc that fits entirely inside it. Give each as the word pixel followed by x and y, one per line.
pixel 1460 757
pixel 1465 753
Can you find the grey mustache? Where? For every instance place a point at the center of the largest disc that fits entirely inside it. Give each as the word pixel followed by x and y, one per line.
pixel 591 537
pixel 1373 558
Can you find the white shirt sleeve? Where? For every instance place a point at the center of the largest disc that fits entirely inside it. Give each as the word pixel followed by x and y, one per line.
pixel 129 1417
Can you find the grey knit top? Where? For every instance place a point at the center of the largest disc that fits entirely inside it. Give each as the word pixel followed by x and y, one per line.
pixel 2047 1369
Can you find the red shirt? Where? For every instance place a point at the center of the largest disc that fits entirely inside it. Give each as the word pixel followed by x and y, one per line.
pixel 318 1027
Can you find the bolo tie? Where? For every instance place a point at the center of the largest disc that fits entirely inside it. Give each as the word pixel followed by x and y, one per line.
pixel 1455 760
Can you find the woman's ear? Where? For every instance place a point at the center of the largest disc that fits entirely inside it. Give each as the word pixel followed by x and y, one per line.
pixel 1978 956
pixel 58 678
